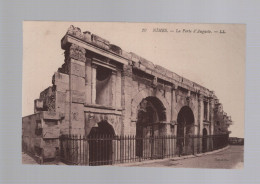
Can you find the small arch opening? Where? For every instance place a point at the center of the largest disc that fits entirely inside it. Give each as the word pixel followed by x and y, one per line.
pixel 100 144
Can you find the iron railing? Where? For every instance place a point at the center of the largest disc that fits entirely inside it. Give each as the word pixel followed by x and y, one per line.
pixel 109 150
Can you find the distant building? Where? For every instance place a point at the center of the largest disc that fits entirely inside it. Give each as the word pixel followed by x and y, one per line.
pixel 236 141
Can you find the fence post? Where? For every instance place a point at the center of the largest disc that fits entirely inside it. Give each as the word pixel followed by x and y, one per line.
pixel 86 145
pixel 163 137
pixel 121 148
pixel 80 150
pixel 179 145
pixel 192 145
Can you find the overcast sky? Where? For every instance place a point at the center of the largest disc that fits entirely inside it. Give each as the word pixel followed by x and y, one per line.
pixel 214 60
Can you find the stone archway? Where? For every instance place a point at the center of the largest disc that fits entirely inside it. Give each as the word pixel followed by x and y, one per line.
pixel 150 113
pixel 100 144
pixel 185 129
pixel 137 99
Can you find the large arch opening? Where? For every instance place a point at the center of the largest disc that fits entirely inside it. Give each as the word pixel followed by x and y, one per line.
pixel 185 128
pixel 150 112
pixel 100 144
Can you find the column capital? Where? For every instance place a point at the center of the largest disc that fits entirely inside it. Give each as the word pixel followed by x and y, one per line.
pixel 174 87
pixel 76 52
pixel 93 65
pixel 201 97
pixel 114 72
pixel 127 70
pixel 212 101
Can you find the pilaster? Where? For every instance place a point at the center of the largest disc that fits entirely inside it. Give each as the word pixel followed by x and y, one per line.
pixel 211 104
pixel 113 83
pixel 200 113
pixel 93 83
pixel 126 98
pixel 75 59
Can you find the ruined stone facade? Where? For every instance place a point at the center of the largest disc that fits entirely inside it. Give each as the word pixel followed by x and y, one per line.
pixel 102 89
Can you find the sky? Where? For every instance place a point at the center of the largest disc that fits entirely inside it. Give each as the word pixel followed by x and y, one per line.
pixel 214 60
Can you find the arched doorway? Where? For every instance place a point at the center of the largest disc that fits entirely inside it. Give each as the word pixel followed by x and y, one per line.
pixel 204 140
pixel 185 128
pixel 100 144
pixel 150 112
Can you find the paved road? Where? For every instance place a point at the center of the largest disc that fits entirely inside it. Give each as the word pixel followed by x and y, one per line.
pixel 233 157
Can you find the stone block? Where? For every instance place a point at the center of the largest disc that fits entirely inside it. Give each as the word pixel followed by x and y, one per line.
pixel 168 73
pixel 60 77
pixel 149 71
pixel 64 126
pixel 62 87
pixel 128 82
pixel 187 82
pixel 51 132
pixel 135 57
pixel 77 124
pixel 78 97
pixel 77 83
pixel 77 115
pixel 60 108
pixel 126 55
pixel 51 142
pixel 38 142
pixel 78 131
pixel 176 77
pixel 142 67
pixel 77 68
pixel 160 69
pixel 50 115
pixel 38 103
pixel 116 49
pixel 64 131
pixel 60 97
pixel 74 31
pixel 87 36
pixel 49 152
pixel 146 63
pixel 101 42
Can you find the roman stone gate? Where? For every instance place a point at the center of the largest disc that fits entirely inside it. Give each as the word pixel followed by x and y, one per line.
pixel 102 89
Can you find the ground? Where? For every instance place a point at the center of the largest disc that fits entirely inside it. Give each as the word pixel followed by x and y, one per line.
pixel 26 159
pixel 231 158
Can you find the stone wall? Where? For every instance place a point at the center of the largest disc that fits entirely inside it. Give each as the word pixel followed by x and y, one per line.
pixel 40 135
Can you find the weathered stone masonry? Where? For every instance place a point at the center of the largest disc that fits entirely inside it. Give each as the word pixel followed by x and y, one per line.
pixel 101 88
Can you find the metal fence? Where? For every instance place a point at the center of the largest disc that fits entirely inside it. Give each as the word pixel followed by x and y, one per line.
pixel 109 150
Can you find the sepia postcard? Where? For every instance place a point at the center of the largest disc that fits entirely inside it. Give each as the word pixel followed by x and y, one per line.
pixel 133 94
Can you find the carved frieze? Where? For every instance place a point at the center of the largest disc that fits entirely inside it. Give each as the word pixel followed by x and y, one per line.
pixel 127 70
